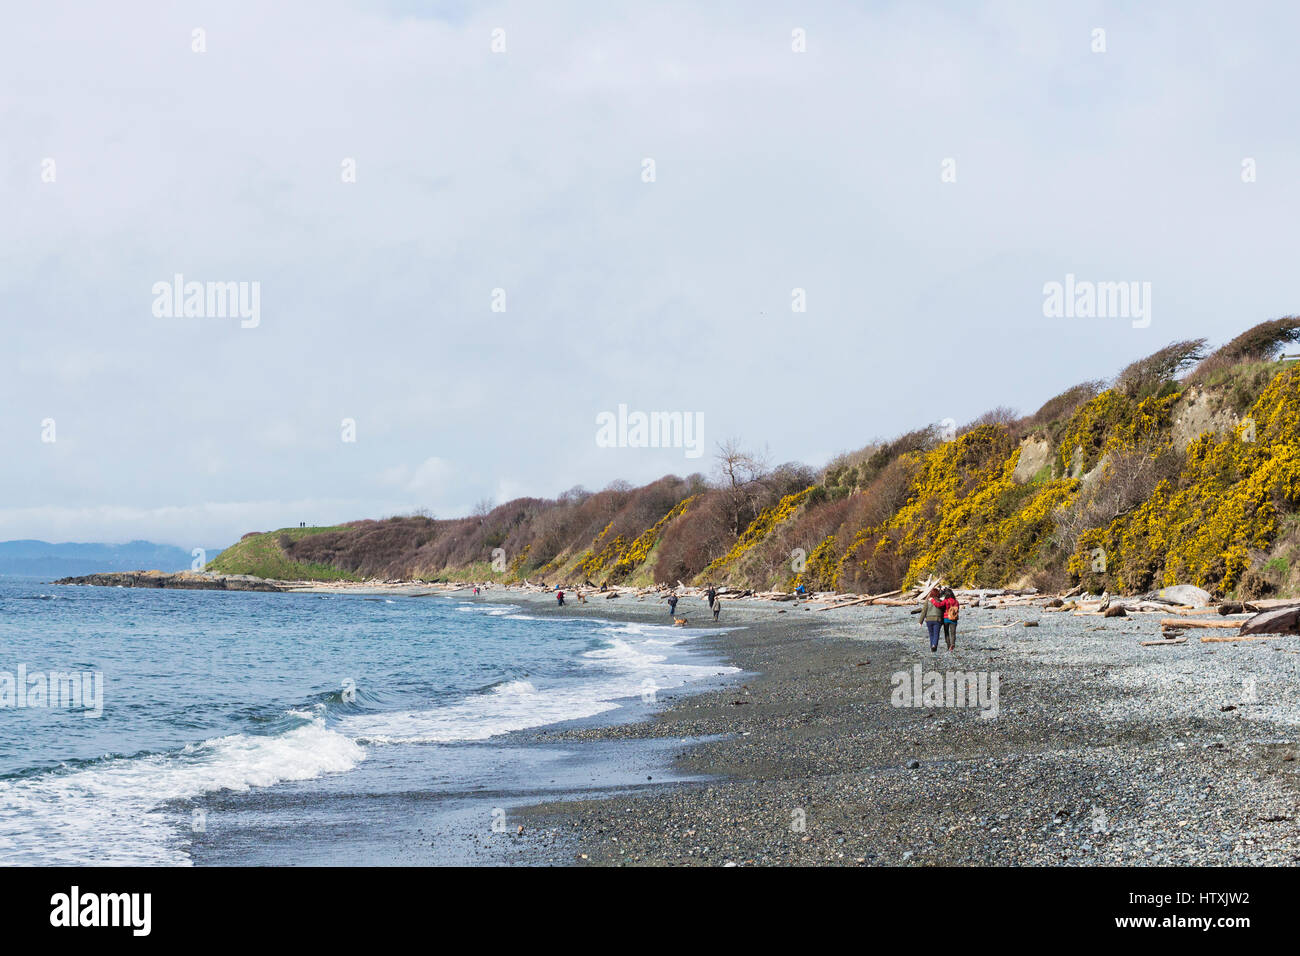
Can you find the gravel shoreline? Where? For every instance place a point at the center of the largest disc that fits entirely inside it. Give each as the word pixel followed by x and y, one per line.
pixel 1102 752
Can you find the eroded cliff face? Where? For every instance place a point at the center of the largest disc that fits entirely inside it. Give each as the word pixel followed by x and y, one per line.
pixel 1200 411
pixel 1035 453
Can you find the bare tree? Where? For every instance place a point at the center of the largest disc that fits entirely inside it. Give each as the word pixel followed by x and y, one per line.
pixel 575 495
pixel 742 477
pixel 737 466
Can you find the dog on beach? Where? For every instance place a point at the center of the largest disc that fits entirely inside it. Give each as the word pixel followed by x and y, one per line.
pixel 679 622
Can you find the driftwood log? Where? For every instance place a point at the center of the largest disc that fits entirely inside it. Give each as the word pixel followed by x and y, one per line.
pixel 1183 622
pixel 1238 607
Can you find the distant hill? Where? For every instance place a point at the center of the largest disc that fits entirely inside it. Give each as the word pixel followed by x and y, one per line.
pixel 1183 469
pixel 41 558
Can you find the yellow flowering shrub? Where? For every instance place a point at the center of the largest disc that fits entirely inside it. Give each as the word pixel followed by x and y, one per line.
pixel 967 520
pixel 820 569
pixel 1225 506
pixel 639 550
pixel 1111 420
pixel 757 530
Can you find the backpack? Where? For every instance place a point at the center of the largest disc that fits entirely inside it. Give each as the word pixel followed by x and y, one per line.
pixel 950 612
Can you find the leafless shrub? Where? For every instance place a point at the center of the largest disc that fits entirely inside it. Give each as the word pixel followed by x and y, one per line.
pixel 1260 343
pixel 686 547
pixel 1149 375
pixel 1002 415
pixel 1061 407
pixel 1123 481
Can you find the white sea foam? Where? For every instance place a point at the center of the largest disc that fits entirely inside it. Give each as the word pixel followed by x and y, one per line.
pixel 628 666
pixel 492 610
pixel 112 812
pixel 105 813
pixel 515 687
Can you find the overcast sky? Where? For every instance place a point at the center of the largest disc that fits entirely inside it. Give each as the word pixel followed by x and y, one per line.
pixel 524 171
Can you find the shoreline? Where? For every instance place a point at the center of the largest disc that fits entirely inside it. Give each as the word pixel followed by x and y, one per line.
pixel 437 805
pixel 1103 752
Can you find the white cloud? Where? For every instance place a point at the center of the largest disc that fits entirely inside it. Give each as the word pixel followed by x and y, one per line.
pixel 430 478
pixel 522 171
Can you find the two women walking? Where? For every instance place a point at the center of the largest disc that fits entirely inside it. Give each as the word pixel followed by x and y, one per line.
pixel 939 612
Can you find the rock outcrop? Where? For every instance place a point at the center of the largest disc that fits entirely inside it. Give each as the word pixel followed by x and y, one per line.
pixel 185 580
pixel 1035 453
pixel 1196 413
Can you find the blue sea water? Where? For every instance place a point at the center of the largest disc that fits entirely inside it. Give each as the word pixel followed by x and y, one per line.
pixel 206 692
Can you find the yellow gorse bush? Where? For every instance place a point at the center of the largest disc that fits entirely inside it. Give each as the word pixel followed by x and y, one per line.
pixel 639 550
pixel 758 529
pixel 820 568
pixel 622 557
pixel 1109 422
pixel 1225 505
pixel 967 520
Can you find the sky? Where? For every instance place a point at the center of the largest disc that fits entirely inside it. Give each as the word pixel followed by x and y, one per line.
pixel 473 229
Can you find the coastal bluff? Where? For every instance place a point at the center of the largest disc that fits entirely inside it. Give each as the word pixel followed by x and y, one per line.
pixel 186 580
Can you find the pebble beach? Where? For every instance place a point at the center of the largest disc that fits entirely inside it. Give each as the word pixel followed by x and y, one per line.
pixel 1101 751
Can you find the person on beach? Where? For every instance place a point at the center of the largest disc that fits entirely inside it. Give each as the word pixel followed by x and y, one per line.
pixel 710 595
pixel 559 598
pixel 951 611
pixel 716 606
pixel 932 617
pixel 672 605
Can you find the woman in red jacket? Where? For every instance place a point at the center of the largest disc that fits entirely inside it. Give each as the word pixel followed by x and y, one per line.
pixel 951 611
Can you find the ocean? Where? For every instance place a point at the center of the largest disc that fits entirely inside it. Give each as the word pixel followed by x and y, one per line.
pixel 205 697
